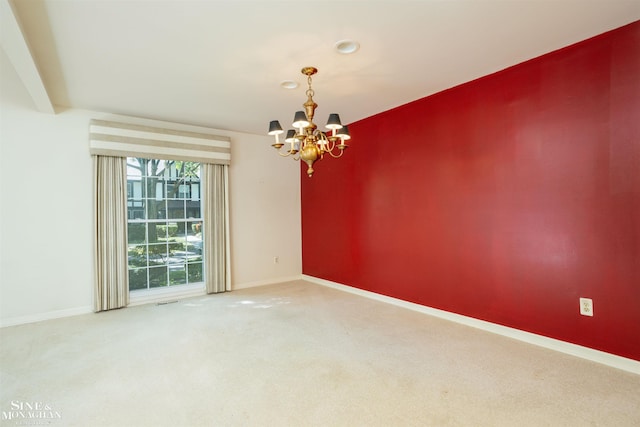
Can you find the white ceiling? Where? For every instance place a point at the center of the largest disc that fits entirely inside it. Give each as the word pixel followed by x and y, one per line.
pixel 219 63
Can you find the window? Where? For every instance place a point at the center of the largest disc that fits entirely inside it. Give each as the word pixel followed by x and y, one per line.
pixel 150 223
pixel 164 223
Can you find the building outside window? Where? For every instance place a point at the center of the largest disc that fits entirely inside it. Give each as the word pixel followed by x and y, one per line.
pixel 164 223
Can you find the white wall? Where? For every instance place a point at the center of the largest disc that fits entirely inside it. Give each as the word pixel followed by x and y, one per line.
pixel 265 212
pixel 46 208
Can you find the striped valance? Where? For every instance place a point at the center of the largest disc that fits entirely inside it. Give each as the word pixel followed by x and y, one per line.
pixel 107 138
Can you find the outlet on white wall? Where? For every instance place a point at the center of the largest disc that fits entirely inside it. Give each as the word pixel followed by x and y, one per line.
pixel 586 306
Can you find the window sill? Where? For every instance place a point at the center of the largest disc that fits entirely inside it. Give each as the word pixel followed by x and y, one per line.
pixel 165 294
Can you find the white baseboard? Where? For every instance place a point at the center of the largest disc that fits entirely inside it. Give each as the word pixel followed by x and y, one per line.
pixel 32 318
pixel 587 353
pixel 146 297
pixel 237 286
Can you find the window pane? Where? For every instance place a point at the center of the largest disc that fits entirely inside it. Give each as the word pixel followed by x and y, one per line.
pixel 195 272
pixel 176 209
pixel 138 279
pixel 159 191
pixel 183 191
pixel 182 231
pixel 136 209
pixel 194 239
pixel 157 232
pixel 176 253
pixel 193 209
pixel 177 274
pixel 134 189
pixel 173 174
pixel 156 209
pixel 158 254
pixel 136 233
pixel 152 166
pixel 195 191
pixel 194 228
pixel 157 277
pixel 138 256
pixel 171 190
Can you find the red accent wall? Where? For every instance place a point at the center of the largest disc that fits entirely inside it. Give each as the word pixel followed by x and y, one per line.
pixel 505 199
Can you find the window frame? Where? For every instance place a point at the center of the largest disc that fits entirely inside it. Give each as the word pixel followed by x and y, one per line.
pixel 167 214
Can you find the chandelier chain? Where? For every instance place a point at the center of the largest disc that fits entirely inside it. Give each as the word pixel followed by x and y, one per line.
pixel 309 91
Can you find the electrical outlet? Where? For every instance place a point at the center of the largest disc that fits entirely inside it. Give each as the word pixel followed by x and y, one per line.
pixel 586 306
pixel 276 259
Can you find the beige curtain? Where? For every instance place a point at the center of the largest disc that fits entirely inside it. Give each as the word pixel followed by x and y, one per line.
pixel 217 265
pixel 110 256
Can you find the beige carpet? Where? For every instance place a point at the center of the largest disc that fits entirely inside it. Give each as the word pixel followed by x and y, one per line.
pixel 297 354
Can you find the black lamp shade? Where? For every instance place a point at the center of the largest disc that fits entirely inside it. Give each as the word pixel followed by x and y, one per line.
pixel 290 136
pixel 275 128
pixel 344 133
pixel 334 121
pixel 300 120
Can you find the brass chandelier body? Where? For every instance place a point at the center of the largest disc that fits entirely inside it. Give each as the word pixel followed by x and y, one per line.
pixel 307 142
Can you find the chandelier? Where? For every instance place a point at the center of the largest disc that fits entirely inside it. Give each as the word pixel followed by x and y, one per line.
pixel 306 141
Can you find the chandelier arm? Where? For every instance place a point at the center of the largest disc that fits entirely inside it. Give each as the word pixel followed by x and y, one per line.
pixel 287 153
pixel 334 155
pixel 328 144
